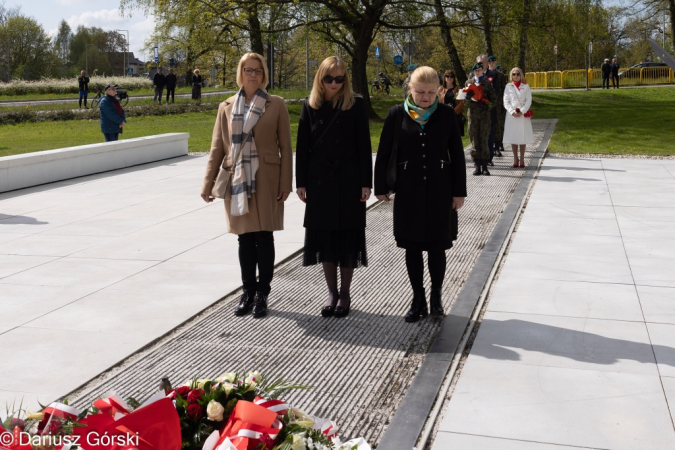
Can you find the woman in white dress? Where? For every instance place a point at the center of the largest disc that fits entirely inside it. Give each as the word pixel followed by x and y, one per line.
pixel 518 125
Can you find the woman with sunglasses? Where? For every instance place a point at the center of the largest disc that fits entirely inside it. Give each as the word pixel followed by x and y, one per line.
pixel 518 126
pixel 252 140
pixel 447 94
pixel 334 170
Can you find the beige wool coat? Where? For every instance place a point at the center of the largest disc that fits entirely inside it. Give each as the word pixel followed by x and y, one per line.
pixel 272 136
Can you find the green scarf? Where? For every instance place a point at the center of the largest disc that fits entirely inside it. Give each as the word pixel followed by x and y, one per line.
pixel 419 115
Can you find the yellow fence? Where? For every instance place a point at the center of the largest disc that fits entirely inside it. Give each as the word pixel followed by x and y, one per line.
pixel 577 78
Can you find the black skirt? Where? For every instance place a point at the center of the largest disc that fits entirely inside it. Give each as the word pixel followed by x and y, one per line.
pixel 344 248
pixel 434 245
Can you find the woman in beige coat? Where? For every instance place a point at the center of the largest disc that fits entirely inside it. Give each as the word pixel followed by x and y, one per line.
pixel 253 128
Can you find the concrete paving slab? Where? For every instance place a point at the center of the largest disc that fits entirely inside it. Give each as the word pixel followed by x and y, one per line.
pixel 42 348
pixel 445 441
pixel 645 215
pixel 584 408
pixel 587 267
pixel 567 342
pixel 81 272
pixel 578 198
pixel 663 341
pixel 537 224
pixel 11 401
pixel 15 264
pixel 602 246
pixel 571 211
pixel 669 389
pixel 8 237
pixel 658 303
pixel 22 303
pixel 568 298
pixel 139 248
pixel 44 245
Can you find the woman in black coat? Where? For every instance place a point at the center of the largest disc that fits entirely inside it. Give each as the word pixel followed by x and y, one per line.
pixel 430 184
pixel 334 177
pixel 196 85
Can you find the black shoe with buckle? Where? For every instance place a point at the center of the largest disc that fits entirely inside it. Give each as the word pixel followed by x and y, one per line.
pixel 245 304
pixel 329 309
pixel 260 305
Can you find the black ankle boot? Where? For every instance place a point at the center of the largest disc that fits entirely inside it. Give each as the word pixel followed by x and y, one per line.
pixel 245 304
pixel 435 304
pixel 478 170
pixel 260 305
pixel 498 150
pixel 485 169
pixel 418 309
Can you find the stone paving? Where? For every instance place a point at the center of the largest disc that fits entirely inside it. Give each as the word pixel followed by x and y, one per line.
pixel 577 346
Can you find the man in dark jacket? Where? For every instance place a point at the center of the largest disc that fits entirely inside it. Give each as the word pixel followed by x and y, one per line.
pixel 113 117
pixel 615 74
pixel 170 85
pixel 83 82
pixel 498 113
pixel 158 82
pixel 606 69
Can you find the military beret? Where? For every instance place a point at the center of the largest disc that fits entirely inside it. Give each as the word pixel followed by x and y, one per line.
pixel 110 86
pixel 492 58
pixel 478 65
pixel 412 67
pixel 498 66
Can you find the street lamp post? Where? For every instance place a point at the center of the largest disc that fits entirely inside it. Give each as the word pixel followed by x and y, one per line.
pixel 126 53
pixel 86 58
pixel 9 72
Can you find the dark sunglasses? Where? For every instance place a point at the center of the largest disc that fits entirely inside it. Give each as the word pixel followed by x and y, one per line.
pixel 339 79
pixel 449 76
pixel 515 74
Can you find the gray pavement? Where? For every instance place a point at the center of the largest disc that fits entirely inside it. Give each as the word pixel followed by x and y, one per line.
pixel 577 345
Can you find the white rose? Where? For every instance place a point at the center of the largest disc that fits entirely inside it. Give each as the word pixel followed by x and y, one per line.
pixel 202 382
pixel 214 411
pixel 250 385
pixel 227 387
pixel 229 377
pixel 255 376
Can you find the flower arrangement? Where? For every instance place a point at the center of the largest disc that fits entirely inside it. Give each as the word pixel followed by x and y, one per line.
pixel 232 412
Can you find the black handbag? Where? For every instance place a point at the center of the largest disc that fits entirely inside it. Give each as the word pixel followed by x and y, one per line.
pixel 392 165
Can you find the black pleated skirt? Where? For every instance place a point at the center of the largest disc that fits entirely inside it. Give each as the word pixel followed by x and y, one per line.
pixel 344 248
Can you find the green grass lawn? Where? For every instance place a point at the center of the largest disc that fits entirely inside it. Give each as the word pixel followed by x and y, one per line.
pixel 616 121
pixel 32 137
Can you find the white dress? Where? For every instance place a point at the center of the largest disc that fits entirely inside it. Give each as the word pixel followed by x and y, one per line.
pixel 517 130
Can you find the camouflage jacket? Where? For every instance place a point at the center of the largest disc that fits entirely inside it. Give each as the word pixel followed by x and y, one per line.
pixel 481 110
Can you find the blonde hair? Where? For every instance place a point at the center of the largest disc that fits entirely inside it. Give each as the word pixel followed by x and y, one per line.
pixel 240 69
pixel 424 75
pixel 196 72
pixel 345 98
pixel 522 75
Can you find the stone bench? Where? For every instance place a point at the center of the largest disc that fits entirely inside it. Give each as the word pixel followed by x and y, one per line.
pixel 32 169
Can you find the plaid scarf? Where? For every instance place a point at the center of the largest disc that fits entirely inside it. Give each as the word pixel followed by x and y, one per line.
pixel 244 154
pixel 419 115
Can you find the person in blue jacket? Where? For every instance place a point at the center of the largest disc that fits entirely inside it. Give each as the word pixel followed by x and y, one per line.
pixel 113 118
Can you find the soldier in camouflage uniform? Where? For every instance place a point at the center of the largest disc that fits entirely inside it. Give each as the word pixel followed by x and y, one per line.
pixel 479 119
pixel 498 116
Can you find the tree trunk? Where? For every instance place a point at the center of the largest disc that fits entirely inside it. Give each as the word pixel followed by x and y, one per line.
pixel 359 75
pixel 450 44
pixel 485 11
pixel 254 30
pixel 671 8
pixel 527 5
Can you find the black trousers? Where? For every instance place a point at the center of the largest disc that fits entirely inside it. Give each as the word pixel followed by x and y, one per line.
pixel 256 249
pixel 414 263
pixel 605 81
pixel 172 91
pixel 615 81
pixel 159 91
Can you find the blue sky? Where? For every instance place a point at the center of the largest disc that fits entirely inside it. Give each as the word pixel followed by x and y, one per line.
pixel 104 14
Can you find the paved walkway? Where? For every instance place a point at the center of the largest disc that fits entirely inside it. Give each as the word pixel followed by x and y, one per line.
pixel 93 269
pixel 577 346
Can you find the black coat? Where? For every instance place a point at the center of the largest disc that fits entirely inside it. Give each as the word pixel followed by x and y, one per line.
pixel 338 166
pixel 159 80
pixel 425 182
pixel 170 81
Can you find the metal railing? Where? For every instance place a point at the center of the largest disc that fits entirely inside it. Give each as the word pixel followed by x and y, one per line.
pixel 577 78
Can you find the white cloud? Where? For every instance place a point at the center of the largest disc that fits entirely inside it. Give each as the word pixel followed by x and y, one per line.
pixel 104 18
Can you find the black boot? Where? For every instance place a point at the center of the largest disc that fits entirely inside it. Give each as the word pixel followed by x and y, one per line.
pixel 485 169
pixel 435 304
pixel 418 309
pixel 245 304
pixel 477 171
pixel 498 149
pixel 490 163
pixel 260 305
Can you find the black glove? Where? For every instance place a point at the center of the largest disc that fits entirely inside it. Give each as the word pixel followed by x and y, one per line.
pixel 470 94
